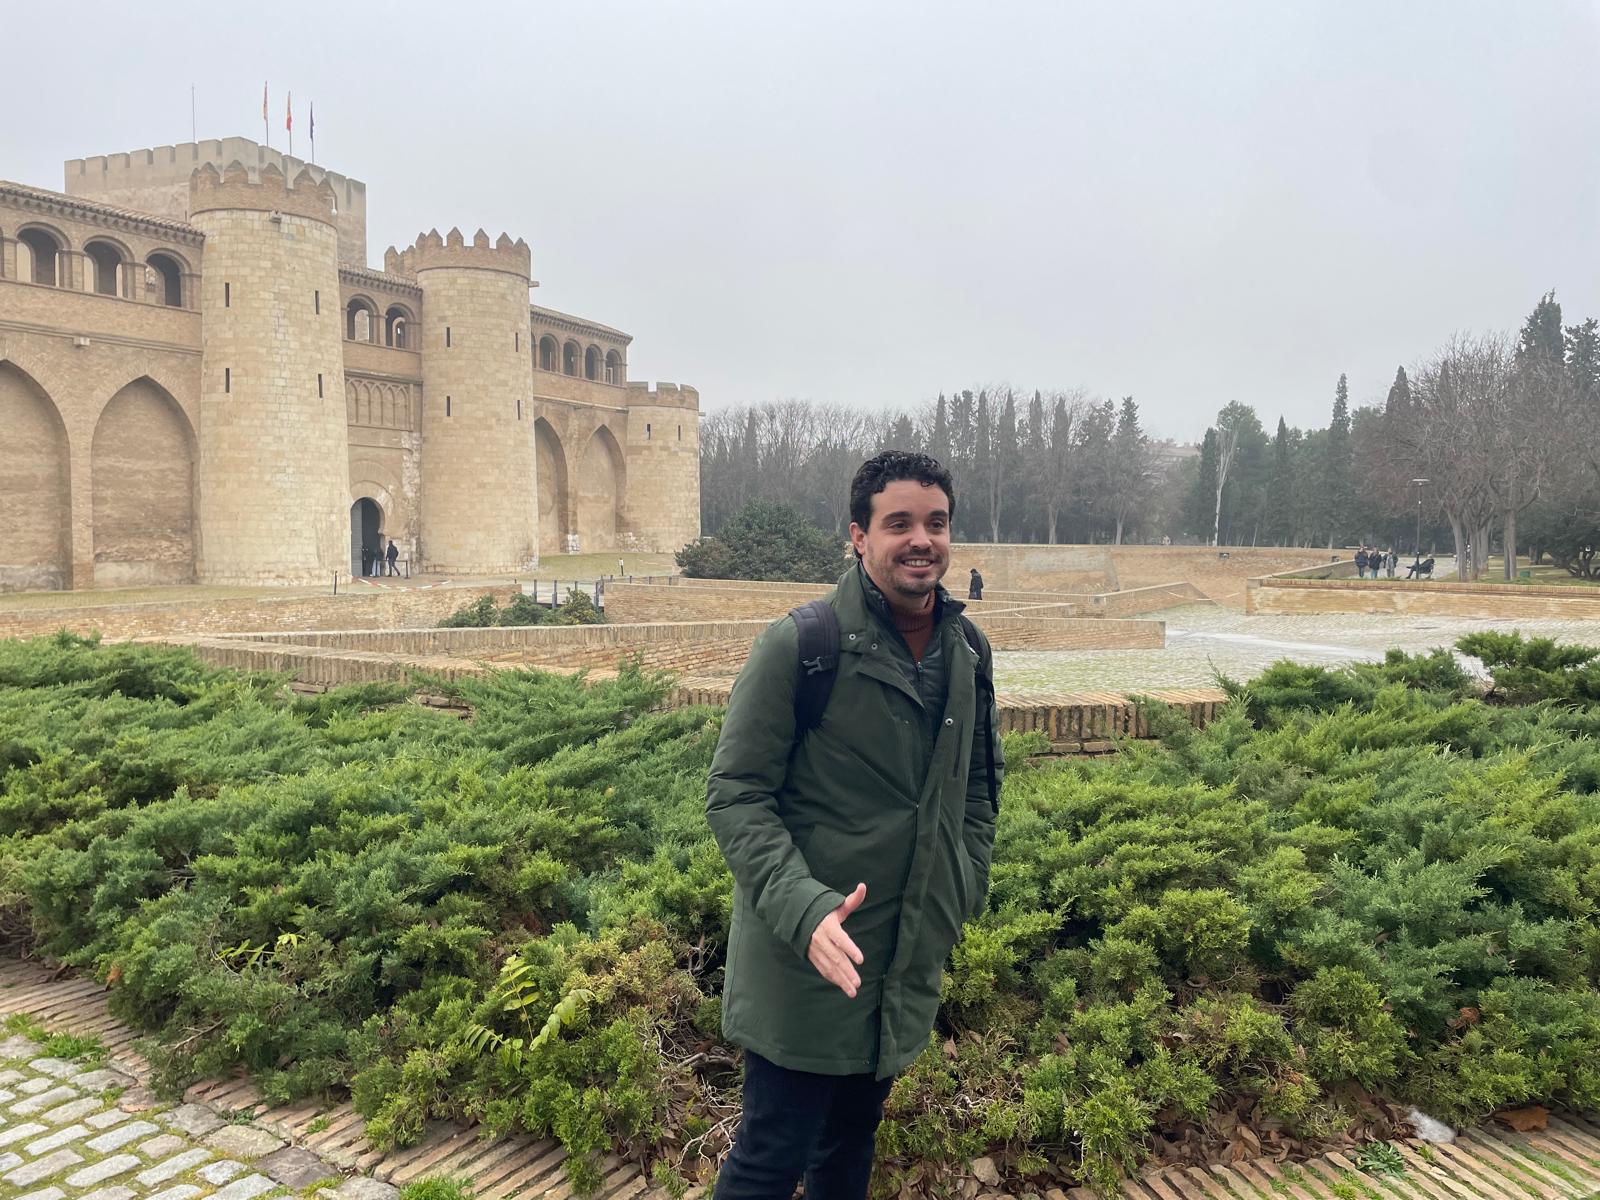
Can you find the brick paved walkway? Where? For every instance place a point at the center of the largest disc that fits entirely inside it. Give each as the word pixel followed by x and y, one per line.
pixel 69 1131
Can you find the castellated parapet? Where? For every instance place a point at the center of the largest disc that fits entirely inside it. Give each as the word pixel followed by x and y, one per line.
pixel 274 453
pixel 156 181
pixel 480 497
pixel 663 464
pixel 233 188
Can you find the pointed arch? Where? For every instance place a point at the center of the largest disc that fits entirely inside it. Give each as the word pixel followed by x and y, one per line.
pixel 35 487
pixel 602 484
pixel 143 456
pixel 551 466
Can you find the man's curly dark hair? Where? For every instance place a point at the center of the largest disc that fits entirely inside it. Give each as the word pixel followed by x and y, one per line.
pixel 891 466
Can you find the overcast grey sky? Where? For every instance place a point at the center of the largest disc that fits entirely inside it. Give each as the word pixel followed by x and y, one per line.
pixel 870 202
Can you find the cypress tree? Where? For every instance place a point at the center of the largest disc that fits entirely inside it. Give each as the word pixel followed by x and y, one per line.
pixel 1008 469
pixel 939 442
pixel 1338 488
pixel 983 466
pixel 1199 512
pixel 1279 517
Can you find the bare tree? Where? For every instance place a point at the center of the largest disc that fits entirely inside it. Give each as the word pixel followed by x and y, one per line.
pixel 1459 396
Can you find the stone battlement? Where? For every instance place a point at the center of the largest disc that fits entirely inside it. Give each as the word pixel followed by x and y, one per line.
pixel 432 252
pixel 664 395
pixel 233 188
pixel 156 181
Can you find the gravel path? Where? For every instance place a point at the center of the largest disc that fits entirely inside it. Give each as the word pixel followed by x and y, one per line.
pixel 1203 641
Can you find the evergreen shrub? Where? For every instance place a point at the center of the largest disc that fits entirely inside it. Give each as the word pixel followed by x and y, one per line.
pixel 1357 886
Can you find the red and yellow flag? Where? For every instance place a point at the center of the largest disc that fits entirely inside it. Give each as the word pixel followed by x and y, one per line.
pixel 288 113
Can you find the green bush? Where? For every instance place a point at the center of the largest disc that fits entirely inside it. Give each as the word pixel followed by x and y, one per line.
pixel 1366 881
pixel 766 540
pixel 522 609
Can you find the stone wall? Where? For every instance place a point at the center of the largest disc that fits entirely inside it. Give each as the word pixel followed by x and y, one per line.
pixel 1033 568
pixel 662 510
pixel 641 603
pixel 479 495
pixel 1220 579
pixel 274 451
pixel 1134 601
pixel 157 181
pixel 64 359
pixel 1071 722
pixel 408 608
pixel 1010 625
pixel 1021 632
pixel 1489 601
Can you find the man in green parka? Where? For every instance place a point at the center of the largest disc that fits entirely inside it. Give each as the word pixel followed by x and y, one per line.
pixel 858 847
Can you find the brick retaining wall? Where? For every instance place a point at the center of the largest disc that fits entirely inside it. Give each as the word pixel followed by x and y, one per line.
pixel 400 608
pixel 1490 601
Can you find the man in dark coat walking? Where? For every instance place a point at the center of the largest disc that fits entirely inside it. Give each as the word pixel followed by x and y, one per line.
pixel 858 848
pixel 975 586
pixel 392 556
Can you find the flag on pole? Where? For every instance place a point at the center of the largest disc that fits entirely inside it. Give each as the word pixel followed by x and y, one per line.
pixel 313 131
pixel 266 124
pixel 263 100
pixel 288 114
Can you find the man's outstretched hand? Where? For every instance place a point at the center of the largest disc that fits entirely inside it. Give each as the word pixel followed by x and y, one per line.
pixel 832 952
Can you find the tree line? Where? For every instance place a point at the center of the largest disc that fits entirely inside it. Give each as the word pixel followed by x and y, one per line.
pixel 1043 466
pixel 1488 442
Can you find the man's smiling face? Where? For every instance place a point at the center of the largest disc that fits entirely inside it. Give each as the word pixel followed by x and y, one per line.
pixel 906 546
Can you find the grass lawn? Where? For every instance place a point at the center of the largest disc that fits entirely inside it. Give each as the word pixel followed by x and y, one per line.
pixel 1543 574
pixel 591 566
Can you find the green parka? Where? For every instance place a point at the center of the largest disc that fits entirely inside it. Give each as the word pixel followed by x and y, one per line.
pixel 889 790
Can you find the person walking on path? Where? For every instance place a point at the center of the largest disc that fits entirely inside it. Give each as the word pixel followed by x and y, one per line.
pixel 1391 560
pixel 366 559
pixel 975 586
pixel 392 556
pixel 859 840
pixel 1361 562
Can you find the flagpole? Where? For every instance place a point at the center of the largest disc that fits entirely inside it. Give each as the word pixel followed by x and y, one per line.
pixel 266 121
pixel 192 135
pixel 288 121
pixel 313 131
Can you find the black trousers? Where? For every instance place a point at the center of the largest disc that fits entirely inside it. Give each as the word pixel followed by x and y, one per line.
pixel 821 1127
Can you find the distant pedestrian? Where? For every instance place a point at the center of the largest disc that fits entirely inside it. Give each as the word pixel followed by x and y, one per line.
pixel 393 555
pixel 1391 561
pixel 366 559
pixel 621 570
pixel 975 586
pixel 1361 562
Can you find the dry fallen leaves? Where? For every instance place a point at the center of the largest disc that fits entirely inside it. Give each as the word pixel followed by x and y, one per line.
pixel 1526 1119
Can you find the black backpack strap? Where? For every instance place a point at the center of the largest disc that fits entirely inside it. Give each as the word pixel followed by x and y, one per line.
pixel 817 626
pixel 983 677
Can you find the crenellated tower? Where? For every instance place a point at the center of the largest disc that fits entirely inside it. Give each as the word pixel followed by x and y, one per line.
pixel 479 495
pixel 274 461
pixel 663 510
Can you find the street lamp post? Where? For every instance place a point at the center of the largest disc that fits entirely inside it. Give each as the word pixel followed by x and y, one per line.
pixel 1419 484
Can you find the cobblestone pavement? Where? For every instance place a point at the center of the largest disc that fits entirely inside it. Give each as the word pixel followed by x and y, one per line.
pixel 69 1131
pixel 1203 640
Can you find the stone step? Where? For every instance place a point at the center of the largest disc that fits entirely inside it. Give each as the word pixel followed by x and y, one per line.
pixel 1560 1162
